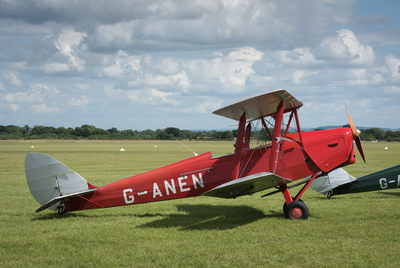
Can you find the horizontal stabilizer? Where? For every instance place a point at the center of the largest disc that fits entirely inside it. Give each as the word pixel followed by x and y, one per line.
pixel 260 106
pixel 331 180
pixel 64 197
pixel 247 185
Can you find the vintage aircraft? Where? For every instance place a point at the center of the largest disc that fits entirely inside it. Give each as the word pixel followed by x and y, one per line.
pixel 290 156
pixel 340 182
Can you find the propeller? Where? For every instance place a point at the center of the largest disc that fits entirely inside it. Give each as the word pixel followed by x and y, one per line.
pixel 356 135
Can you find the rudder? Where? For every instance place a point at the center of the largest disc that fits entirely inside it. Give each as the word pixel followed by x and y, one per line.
pixel 49 180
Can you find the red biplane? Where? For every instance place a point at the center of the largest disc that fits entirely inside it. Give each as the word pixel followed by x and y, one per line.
pixel 289 157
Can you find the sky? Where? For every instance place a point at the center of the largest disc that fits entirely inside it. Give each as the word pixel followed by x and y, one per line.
pixel 156 64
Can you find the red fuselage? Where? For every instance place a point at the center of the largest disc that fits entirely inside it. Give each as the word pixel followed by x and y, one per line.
pixel 297 158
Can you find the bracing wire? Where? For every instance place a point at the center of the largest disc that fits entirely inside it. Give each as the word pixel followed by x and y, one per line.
pixel 181 143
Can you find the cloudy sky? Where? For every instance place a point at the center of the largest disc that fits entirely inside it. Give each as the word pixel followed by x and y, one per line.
pixel 154 64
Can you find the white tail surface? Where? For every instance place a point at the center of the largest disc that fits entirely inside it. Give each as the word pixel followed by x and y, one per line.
pixel 331 180
pixel 48 179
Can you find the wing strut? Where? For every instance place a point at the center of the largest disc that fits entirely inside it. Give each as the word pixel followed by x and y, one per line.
pixel 286 194
pixel 239 146
pixel 273 161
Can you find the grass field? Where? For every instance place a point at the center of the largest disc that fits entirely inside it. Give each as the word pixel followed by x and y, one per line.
pixel 348 230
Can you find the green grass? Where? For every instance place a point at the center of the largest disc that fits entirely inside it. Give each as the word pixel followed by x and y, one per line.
pixel 348 230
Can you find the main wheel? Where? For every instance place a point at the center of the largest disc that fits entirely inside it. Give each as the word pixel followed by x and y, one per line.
pixel 296 210
pixel 285 208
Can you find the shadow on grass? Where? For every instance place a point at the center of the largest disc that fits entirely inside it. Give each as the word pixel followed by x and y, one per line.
pixel 208 217
pixel 350 196
pixel 191 217
pixel 55 216
pixel 390 193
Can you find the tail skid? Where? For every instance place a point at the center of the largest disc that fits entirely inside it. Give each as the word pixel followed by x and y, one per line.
pixel 51 182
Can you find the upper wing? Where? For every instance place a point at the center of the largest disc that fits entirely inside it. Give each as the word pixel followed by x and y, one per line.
pixel 247 185
pixel 260 106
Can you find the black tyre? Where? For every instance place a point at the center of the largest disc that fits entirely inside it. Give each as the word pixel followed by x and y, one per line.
pixel 296 210
pixel 285 208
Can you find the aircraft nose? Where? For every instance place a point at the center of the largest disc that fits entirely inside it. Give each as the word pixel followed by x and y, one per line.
pixel 356 135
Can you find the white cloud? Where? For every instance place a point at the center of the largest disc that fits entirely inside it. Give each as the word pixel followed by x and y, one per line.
pixel 167 81
pixel 36 93
pixel 231 71
pixel 161 73
pixel 68 43
pixel 113 93
pixel 19 65
pixel 12 78
pixel 147 96
pixel 344 46
pixel 45 89
pixel 44 108
pixel 187 56
pixel 377 78
pixel 165 66
pixel 177 24
pixel 393 65
pixel 118 34
pixel 151 96
pixel 357 77
pixel 55 67
pixel 14 107
pixel 22 97
pixel 300 76
pixel 78 101
pixel 364 103
pixel 123 65
pixel 9 106
pixel 393 90
pixel 208 105
pixel 297 56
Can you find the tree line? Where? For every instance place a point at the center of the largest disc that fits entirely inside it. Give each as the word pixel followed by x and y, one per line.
pixel 94 133
pixel 169 133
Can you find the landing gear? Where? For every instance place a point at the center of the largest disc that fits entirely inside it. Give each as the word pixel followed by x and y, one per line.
pixel 61 208
pixel 296 210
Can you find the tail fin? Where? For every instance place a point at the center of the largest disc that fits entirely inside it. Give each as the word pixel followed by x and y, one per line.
pixel 51 182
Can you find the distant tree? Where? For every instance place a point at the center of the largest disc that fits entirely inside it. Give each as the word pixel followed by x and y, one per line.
pixel 147 134
pixel 162 135
pixel 11 129
pixel 89 130
pixel 25 130
pixel 391 135
pixel 92 132
pixel 176 132
pixel 11 132
pixel 113 130
pixel 43 132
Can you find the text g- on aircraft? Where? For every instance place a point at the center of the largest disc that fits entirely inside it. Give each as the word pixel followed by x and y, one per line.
pixel 288 158
pixel 339 181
